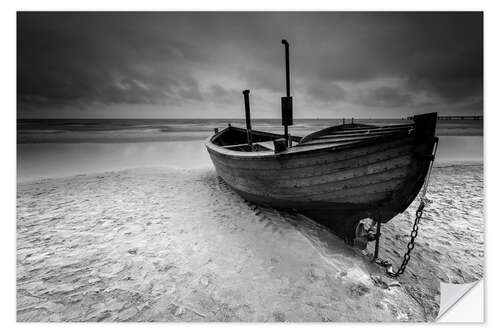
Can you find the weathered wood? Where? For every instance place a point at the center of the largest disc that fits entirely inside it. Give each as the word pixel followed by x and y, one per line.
pixel 326 191
pixel 323 174
pixel 300 157
pixel 357 129
pixel 267 144
pixel 236 146
pixel 328 140
pixel 337 176
pixel 342 134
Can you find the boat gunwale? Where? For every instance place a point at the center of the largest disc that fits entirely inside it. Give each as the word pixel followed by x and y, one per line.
pixel 341 131
pixel 290 153
pixel 223 163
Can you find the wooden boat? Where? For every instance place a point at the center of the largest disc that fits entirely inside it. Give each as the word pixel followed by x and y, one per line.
pixel 337 176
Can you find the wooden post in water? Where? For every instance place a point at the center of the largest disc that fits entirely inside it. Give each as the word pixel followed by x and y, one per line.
pixel 247 116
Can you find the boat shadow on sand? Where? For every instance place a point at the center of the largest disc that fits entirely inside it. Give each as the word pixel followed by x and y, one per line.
pixel 449 247
pixel 419 283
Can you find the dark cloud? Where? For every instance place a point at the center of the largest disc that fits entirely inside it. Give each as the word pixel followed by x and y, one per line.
pixel 221 95
pixel 387 59
pixel 68 58
pixel 327 93
pixel 385 97
pixel 264 77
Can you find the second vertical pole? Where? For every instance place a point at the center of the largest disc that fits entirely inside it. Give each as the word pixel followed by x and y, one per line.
pixel 286 102
pixel 247 116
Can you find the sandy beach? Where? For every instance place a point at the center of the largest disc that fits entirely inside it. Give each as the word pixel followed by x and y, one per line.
pixel 162 244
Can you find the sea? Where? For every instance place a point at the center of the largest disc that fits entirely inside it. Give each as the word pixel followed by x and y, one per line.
pixel 63 147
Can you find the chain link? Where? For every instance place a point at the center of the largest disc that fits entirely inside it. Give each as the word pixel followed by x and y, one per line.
pixel 411 243
pixel 418 216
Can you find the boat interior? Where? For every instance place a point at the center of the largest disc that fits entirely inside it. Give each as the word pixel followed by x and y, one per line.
pixel 348 133
pixel 235 138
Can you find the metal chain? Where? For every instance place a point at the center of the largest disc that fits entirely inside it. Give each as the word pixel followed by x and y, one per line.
pixel 418 216
pixel 411 243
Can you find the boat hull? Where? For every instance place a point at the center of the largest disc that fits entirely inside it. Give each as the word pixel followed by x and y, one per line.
pixel 336 187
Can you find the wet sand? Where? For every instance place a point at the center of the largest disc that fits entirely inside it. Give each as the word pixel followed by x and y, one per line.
pixel 159 244
pixel 51 160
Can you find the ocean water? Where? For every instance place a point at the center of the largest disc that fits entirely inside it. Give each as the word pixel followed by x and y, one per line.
pixel 136 130
pixel 51 160
pixel 57 148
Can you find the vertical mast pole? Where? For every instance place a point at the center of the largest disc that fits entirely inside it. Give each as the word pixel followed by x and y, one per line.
pixel 286 102
pixel 247 116
pixel 287 66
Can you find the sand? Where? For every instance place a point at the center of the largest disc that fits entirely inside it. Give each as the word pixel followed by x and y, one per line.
pixel 158 244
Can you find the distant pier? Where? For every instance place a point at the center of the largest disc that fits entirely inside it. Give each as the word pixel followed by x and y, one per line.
pixel 456 118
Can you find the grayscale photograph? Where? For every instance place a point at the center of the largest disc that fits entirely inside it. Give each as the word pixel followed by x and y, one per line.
pixel 247 166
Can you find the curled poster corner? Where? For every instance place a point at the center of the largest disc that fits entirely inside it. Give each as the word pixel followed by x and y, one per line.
pixel 461 302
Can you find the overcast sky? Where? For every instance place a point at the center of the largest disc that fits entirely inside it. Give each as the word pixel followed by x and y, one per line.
pixel 195 65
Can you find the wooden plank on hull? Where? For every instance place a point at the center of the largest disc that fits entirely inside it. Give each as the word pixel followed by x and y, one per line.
pixel 235 146
pixel 346 130
pixel 361 134
pixel 256 132
pixel 319 169
pixel 336 140
pixel 325 175
pixel 348 195
pixel 320 159
pixel 328 180
pixel 361 130
pixel 257 186
pixel 261 157
pixel 316 158
pixel 267 144
pixel 369 195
